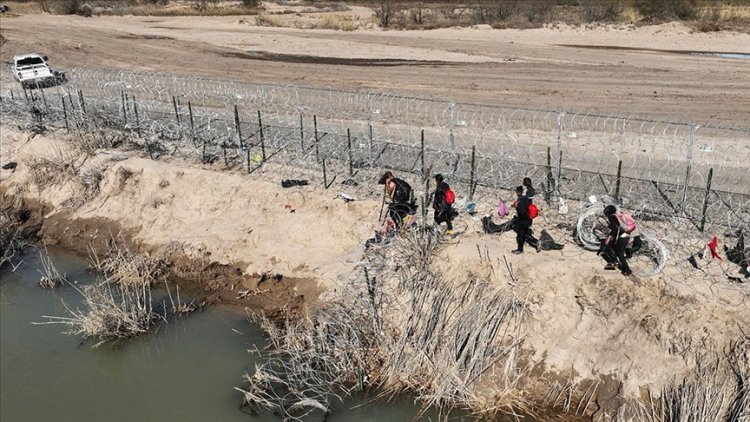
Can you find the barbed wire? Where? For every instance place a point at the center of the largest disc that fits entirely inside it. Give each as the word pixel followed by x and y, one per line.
pixel 685 181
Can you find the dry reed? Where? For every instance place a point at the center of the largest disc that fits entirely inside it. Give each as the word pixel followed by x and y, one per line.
pixel 401 326
pixel 51 276
pixel 12 239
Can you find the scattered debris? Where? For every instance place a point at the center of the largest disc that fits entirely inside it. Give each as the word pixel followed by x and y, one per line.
pixel 347 197
pixel 288 183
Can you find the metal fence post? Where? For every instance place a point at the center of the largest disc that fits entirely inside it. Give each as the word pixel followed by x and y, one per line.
pixel 325 175
pixel 550 177
pixel 82 101
pixel 44 101
pixel 137 118
pixel 176 110
pixel 301 133
pixel 192 123
pixel 472 184
pixel 618 180
pixel 452 123
pixel 424 175
pixel 124 108
pixel 65 114
pixel 705 198
pixel 349 146
pixel 238 128
pixel 315 134
pixel 560 128
pixel 262 139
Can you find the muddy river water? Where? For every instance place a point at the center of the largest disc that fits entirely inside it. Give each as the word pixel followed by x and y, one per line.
pixel 184 371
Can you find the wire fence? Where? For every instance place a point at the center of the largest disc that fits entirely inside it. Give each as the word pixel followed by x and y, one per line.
pixel 688 180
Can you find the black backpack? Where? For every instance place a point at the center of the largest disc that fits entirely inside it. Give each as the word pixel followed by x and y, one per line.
pixel 403 193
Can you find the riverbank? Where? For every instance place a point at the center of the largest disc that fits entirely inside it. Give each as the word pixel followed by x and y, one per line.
pixel 236 232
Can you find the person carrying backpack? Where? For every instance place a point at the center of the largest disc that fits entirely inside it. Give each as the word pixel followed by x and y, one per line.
pixel 522 221
pixel 442 203
pixel 400 194
pixel 620 226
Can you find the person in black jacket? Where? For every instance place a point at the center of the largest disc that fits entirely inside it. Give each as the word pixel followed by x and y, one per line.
pixel 615 243
pixel 400 195
pixel 522 221
pixel 528 189
pixel 443 210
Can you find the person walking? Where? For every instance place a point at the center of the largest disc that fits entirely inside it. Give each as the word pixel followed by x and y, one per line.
pixel 522 221
pixel 442 203
pixel 528 188
pixel 399 194
pixel 615 243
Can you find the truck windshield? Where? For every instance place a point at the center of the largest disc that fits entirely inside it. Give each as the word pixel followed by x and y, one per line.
pixel 29 61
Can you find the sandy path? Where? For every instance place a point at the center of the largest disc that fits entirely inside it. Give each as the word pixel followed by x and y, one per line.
pixel 531 68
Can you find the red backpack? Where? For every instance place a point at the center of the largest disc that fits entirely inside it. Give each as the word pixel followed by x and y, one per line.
pixel 533 211
pixel 450 197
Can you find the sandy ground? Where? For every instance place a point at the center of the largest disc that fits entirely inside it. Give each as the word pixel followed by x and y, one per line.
pixel 551 68
pixel 584 322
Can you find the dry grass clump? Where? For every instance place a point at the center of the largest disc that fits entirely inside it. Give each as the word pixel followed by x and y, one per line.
pixel 12 239
pixel 716 389
pixel 120 305
pixel 399 326
pixel 335 22
pixel 121 265
pixel 110 312
pixel 51 276
pixel 267 19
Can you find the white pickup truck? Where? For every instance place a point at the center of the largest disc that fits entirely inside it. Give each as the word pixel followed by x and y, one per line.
pixel 32 71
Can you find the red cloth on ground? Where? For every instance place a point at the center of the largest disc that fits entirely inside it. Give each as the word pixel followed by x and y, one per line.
pixel 713 245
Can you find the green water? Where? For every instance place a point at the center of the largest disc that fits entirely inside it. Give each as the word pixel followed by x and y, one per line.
pixel 185 371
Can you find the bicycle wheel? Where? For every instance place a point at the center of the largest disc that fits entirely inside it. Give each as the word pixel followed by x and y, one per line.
pixel 650 258
pixel 591 228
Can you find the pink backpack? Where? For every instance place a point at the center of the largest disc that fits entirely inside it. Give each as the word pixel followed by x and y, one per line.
pixel 627 222
pixel 502 209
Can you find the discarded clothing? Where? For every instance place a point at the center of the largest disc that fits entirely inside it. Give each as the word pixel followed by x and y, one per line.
pixel 491 228
pixel 713 245
pixel 547 243
pixel 738 255
pixel 288 183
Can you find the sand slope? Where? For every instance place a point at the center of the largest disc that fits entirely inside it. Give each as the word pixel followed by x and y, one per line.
pixel 584 322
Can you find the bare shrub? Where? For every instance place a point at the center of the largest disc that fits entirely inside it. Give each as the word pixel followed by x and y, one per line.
pixel 66 166
pixel 401 326
pixel 489 11
pixel 601 10
pixel 386 13
pixel 67 7
pixel 660 10
pixel 536 10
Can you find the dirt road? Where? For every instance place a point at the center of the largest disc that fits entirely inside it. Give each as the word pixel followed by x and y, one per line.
pixel 542 68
